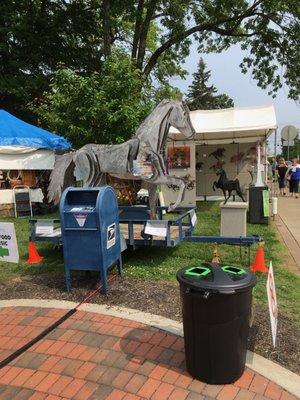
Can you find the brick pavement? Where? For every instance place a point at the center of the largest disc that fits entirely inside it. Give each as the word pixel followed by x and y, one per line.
pixel 96 357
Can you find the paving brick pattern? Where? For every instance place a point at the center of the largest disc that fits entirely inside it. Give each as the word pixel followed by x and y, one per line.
pixel 97 357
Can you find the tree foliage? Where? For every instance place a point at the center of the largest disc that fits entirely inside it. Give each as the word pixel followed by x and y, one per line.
pixel 38 35
pixel 201 95
pixel 98 108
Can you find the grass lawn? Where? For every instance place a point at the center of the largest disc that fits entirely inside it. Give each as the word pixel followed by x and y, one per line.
pixel 162 263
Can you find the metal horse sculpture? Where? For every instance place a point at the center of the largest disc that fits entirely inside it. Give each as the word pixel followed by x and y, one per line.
pixel 92 162
pixel 227 185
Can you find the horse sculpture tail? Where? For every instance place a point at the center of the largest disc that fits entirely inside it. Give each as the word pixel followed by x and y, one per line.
pixel 239 190
pixel 61 176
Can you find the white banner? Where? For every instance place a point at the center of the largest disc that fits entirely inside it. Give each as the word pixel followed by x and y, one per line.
pixel 8 243
pixel 272 300
pixel 38 159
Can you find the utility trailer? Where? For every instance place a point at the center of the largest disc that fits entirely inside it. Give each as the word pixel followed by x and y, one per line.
pixel 137 229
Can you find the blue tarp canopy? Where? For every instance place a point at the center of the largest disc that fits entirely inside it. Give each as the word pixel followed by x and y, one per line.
pixel 15 132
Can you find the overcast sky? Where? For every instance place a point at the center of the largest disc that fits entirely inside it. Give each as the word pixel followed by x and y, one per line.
pixel 228 78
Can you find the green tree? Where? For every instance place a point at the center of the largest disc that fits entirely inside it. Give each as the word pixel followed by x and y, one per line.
pixel 98 108
pixel 37 35
pixel 268 29
pixel 203 96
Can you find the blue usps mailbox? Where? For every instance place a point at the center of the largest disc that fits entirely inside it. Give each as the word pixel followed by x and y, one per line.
pixel 90 231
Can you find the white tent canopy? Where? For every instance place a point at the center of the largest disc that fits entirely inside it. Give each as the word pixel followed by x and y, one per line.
pixel 25 158
pixel 241 124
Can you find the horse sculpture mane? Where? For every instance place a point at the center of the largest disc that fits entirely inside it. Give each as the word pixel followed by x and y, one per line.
pixel 92 162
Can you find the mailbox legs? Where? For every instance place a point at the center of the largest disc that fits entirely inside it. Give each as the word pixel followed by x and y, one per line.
pixel 103 280
pixel 103 277
pixel 68 279
pixel 120 265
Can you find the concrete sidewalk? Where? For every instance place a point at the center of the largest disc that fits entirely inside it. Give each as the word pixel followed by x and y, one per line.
pixel 288 224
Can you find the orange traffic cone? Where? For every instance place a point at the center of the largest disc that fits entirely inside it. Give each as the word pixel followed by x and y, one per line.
pixel 33 255
pixel 259 260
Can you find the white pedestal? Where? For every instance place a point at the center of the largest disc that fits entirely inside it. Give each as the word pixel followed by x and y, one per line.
pixel 234 219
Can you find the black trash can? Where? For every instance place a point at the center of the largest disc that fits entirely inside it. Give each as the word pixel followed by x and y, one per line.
pixel 216 308
pixel 256 209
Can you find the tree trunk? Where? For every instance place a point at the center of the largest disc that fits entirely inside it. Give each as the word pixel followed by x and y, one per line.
pixel 137 28
pixel 144 33
pixel 106 28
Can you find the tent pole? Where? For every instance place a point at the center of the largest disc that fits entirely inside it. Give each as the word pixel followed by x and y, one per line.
pixel 275 157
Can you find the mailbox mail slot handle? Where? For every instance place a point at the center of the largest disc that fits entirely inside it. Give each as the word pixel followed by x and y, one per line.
pixel 81 229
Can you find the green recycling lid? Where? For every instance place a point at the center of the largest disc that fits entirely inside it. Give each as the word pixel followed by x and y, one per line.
pixel 217 278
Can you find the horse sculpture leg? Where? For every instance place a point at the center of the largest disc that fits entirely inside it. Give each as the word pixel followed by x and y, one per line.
pixel 239 191
pixel 224 194
pixel 152 199
pixel 240 194
pixel 172 180
pixel 228 197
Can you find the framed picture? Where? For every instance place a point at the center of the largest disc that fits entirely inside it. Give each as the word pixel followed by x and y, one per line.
pixel 179 157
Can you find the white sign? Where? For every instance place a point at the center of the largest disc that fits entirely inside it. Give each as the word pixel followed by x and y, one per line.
pixel 289 132
pixel 80 218
pixel 156 228
pixel 44 228
pixel 8 243
pixel 193 218
pixel 288 143
pixel 111 235
pixel 272 300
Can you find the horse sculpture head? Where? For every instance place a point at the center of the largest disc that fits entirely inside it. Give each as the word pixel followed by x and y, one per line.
pixel 180 119
pixel 220 171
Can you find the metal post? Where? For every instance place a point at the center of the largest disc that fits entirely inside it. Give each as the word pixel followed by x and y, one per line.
pixel 298 131
pixel 274 198
pixel 288 147
pixel 275 156
pixel 266 161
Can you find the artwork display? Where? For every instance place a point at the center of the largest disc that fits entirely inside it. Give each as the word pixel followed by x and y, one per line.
pixel 189 183
pixel 219 153
pixel 227 185
pixel 199 166
pixel 237 159
pixel 179 157
pixel 142 154
pixel 219 164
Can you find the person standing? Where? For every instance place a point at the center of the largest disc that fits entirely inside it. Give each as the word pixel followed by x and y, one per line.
pixel 293 175
pixel 281 170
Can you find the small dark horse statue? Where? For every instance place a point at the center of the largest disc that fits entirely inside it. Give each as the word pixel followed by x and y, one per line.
pixel 227 185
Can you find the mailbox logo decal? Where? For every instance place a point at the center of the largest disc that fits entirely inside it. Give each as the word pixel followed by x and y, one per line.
pixel 111 235
pixel 80 218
